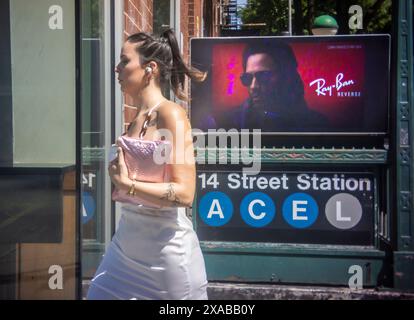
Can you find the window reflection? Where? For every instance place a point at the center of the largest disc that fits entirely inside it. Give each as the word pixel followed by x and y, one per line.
pixel 93 127
pixel 38 213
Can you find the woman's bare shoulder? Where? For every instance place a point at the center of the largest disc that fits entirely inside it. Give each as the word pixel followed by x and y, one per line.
pixel 171 111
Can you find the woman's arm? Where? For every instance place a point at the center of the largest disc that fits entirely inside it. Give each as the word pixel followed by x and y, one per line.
pixel 163 194
pixel 181 188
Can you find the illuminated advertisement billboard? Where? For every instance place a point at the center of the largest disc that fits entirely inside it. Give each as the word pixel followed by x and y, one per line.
pixel 336 84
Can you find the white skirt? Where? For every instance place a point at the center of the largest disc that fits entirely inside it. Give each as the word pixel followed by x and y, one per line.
pixel 154 254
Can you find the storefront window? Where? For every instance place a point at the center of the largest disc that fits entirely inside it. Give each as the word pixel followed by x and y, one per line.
pixel 96 134
pixel 38 205
pixel 99 214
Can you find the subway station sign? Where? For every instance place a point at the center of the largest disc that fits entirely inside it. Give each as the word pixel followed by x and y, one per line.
pixel 286 207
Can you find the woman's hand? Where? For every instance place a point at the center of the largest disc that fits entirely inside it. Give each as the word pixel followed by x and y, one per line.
pixel 118 171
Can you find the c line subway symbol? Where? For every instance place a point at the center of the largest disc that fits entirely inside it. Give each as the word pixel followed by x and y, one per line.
pixel 299 210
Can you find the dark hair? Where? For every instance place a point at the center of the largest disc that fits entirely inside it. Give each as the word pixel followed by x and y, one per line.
pixel 289 89
pixel 165 51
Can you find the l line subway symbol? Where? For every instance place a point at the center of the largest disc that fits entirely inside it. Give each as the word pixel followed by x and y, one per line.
pixel 343 211
pixel 339 216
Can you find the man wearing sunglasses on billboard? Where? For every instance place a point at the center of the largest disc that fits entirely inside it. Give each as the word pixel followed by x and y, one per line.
pixel 276 94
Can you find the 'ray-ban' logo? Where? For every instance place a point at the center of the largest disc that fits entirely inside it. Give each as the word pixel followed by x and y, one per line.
pixel 322 89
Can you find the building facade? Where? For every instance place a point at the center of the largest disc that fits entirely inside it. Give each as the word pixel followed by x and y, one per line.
pixel 61 109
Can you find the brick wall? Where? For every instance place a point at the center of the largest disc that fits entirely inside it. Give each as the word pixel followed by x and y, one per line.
pixel 191 18
pixel 137 18
pixel 191 27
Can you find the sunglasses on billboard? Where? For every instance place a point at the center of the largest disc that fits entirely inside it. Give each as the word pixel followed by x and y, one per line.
pixel 261 77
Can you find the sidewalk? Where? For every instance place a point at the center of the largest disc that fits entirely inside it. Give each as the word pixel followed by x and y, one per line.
pixel 238 291
pixel 243 291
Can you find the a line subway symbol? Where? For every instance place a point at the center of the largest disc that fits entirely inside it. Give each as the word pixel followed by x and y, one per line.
pixel 216 209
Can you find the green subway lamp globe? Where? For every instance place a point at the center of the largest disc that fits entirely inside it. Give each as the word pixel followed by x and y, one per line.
pixel 324 26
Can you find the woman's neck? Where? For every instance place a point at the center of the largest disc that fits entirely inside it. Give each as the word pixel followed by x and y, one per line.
pixel 148 98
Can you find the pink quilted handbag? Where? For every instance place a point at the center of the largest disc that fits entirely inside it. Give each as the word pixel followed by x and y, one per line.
pixel 146 161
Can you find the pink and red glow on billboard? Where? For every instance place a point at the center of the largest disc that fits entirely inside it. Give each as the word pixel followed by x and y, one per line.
pixel 332 75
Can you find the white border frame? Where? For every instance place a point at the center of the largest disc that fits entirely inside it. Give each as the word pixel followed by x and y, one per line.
pixel 108 74
pixel 119 98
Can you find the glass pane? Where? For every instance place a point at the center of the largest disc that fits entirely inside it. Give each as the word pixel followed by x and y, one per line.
pixel 161 15
pixel 93 136
pixel 359 16
pixel 161 21
pixel 38 216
